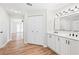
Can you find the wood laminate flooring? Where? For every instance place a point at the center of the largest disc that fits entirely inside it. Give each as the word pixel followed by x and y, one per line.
pixel 17 47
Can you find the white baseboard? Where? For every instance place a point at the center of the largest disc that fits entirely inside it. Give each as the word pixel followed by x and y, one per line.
pixel 36 44
pixel 25 42
pixel 44 45
pixel 4 44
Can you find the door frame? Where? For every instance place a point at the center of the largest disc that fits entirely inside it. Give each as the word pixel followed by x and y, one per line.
pixel 45 19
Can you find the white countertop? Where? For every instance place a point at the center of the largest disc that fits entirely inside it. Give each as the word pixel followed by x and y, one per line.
pixel 66 35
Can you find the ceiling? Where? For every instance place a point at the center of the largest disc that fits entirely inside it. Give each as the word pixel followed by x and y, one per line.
pixel 21 8
pixel 50 5
pixel 24 6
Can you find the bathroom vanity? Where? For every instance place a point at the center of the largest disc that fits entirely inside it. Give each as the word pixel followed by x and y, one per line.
pixel 65 38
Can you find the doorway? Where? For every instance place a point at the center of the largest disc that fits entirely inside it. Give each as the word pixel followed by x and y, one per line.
pixel 36 30
pixel 16 29
pixel 19 27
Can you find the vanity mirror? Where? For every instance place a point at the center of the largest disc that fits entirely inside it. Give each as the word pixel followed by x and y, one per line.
pixel 67 23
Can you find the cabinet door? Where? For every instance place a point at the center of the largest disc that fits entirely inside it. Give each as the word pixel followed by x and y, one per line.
pixel 68 47
pixel 74 45
pixel 51 42
pixel 64 46
pixel 54 41
pixel 57 44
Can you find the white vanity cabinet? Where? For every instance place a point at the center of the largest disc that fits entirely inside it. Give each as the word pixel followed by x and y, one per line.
pixel 68 46
pixel 53 42
pixel 59 44
pixel 67 28
pixel 62 45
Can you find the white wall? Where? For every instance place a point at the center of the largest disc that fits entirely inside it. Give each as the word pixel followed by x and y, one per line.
pixel 72 6
pixel 25 27
pixel 52 13
pixel 13 25
pixel 50 20
pixel 4 26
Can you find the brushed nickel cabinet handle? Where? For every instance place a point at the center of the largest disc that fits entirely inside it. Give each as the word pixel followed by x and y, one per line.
pixel 66 41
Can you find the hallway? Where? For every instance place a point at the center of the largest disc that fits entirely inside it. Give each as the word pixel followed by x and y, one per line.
pixel 17 47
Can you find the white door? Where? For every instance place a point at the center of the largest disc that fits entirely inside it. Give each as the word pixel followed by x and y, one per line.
pixel 74 47
pixel 30 31
pixel 36 30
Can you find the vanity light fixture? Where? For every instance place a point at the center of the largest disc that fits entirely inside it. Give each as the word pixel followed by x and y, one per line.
pixel 65 12
pixel 57 14
pixel 76 7
pixel 22 20
pixel 60 13
pixel 70 9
